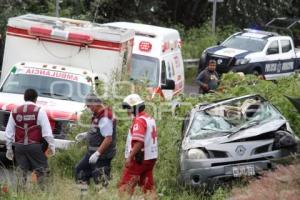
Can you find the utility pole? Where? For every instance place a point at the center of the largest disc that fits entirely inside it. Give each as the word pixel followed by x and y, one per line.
pixel 213 23
pixel 57 8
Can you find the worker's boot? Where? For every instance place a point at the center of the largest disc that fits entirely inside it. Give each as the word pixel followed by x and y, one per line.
pixel 83 188
pixel 100 176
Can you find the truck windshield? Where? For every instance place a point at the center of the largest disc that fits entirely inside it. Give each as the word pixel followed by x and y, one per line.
pixel 46 87
pixel 146 69
pixel 245 43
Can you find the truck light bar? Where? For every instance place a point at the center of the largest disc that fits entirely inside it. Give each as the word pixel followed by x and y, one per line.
pixel 260 32
pixel 145 46
pixel 60 34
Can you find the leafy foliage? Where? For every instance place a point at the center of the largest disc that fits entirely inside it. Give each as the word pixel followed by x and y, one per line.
pixel 195 40
pixel 189 13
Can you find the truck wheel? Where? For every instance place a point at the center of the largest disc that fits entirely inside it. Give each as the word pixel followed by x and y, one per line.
pixel 257 72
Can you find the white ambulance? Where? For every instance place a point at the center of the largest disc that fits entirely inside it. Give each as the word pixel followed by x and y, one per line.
pixel 156 57
pixel 60 58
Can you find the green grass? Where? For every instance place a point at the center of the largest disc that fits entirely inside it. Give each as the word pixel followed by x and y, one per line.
pixel 190 75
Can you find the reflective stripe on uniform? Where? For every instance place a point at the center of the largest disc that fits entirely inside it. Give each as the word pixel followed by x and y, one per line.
pixel 25 108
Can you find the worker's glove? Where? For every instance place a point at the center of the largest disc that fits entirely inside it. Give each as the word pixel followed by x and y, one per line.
pixel 94 157
pixel 9 154
pixel 81 136
pixel 51 150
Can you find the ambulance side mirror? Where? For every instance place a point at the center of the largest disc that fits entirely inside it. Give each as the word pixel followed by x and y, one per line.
pixel 170 85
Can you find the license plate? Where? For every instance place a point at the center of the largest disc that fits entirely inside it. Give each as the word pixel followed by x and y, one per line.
pixel 243 170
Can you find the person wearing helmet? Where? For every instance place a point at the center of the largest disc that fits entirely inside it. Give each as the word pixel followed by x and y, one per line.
pixel 101 140
pixel 141 149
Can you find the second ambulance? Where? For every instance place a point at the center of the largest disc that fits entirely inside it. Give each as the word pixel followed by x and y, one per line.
pixel 156 58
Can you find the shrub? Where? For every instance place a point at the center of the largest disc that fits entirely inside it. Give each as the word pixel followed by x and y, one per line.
pixel 195 40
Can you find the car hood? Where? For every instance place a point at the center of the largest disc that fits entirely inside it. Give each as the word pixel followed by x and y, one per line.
pixel 228 52
pixel 55 108
pixel 246 133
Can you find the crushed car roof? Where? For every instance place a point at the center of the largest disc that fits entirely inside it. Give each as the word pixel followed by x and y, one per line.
pixel 204 106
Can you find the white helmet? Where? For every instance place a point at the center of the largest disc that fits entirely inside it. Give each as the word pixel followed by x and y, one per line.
pixel 132 100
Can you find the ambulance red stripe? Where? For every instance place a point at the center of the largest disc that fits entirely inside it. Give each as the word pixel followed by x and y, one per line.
pixel 96 44
pixel 62 115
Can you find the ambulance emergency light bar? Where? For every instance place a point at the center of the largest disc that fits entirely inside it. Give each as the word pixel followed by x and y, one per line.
pixel 171 45
pixel 60 35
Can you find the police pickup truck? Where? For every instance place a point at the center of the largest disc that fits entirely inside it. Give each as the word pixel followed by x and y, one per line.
pixel 253 51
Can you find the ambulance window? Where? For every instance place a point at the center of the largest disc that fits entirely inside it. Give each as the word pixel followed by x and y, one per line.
pixel 163 73
pixel 169 71
pixel 145 69
pixel 173 71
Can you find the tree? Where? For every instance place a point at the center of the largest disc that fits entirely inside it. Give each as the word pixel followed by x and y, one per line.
pixel 253 13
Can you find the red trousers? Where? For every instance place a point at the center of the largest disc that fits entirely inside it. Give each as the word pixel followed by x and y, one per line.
pixel 141 174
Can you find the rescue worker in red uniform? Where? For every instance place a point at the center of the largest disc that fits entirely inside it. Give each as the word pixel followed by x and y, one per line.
pixel 28 124
pixel 101 140
pixel 141 150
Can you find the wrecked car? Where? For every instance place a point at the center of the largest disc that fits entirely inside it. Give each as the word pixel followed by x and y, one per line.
pixel 233 138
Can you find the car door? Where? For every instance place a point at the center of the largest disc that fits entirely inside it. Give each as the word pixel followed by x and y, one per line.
pixel 273 63
pixel 287 56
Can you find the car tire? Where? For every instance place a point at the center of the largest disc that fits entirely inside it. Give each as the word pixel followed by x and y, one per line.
pixel 257 72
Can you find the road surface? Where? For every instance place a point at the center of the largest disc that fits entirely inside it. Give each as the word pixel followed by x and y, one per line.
pixel 191 89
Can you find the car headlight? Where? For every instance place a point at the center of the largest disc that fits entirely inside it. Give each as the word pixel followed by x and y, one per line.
pixel 196 154
pixel 242 61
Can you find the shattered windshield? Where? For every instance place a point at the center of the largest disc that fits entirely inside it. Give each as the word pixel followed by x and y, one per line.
pixel 232 117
